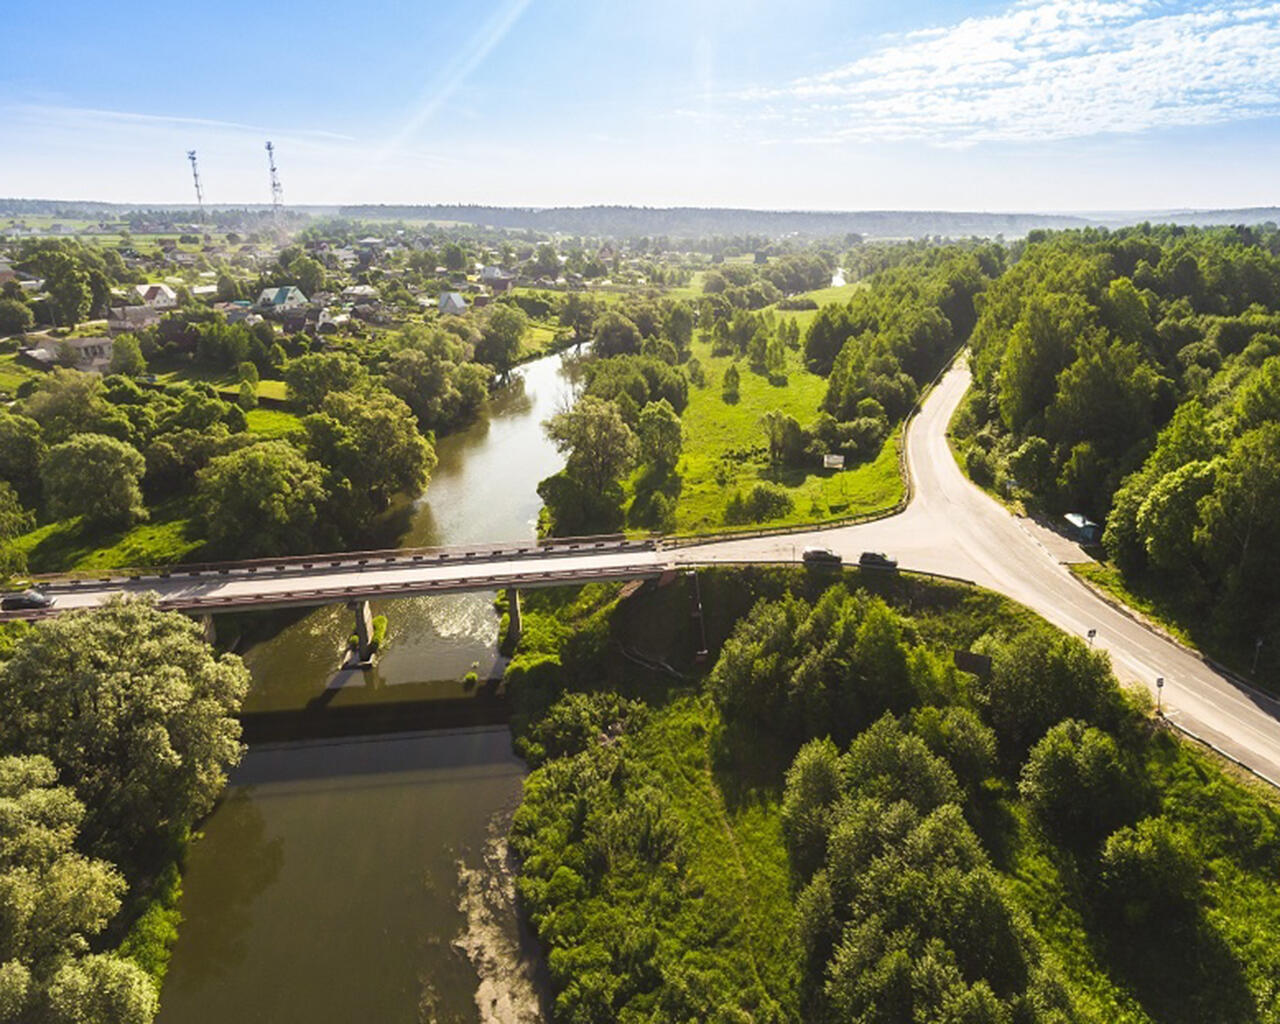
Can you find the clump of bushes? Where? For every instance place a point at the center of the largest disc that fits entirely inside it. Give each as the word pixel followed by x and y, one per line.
pixel 764 501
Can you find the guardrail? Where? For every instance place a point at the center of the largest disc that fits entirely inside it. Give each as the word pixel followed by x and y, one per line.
pixel 305 597
pixel 382 558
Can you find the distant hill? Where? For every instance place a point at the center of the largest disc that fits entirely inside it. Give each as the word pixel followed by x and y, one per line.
pixel 693 221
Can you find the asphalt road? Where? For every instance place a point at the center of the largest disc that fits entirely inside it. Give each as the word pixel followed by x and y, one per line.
pixel 952 527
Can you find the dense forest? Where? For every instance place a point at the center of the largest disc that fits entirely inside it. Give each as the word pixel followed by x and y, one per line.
pixel 1135 376
pixel 829 821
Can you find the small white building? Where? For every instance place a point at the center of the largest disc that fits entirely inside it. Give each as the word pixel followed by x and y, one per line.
pixel 88 354
pixel 157 296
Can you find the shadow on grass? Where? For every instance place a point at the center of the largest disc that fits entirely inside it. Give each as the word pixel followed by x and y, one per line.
pixel 1182 974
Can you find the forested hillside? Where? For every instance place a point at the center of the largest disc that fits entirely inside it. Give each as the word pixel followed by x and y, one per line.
pixel 1135 376
pixel 833 823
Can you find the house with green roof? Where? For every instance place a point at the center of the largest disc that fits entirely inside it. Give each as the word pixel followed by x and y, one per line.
pixel 277 300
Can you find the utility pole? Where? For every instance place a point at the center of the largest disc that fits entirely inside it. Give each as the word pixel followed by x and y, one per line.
pixel 277 191
pixel 195 176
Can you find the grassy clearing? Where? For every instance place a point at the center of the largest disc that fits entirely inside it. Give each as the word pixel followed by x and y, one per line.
pixel 725 450
pixel 537 341
pixel 13 373
pixel 66 546
pixel 227 384
pixel 272 422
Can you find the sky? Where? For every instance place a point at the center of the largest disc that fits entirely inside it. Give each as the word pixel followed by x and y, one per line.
pixel 1036 105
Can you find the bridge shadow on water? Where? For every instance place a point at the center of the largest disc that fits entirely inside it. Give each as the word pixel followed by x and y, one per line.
pixel 320 719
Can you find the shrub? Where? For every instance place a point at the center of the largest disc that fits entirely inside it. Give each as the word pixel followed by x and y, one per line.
pixel 764 501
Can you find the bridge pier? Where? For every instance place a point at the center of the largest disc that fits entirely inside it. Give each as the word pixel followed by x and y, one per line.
pixel 515 623
pixel 209 629
pixel 364 629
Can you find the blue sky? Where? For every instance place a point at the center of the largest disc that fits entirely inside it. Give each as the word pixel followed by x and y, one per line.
pixel 1032 105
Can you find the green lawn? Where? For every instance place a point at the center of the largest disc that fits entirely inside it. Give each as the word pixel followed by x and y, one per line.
pixel 13 373
pixel 725 451
pixel 272 422
pixel 537 341
pixel 227 384
pixel 66 547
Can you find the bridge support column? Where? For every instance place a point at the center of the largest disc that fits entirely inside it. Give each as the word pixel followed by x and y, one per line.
pixel 515 623
pixel 209 629
pixel 364 629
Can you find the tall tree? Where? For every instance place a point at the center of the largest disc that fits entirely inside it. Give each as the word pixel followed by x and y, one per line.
pixel 261 500
pixel 95 477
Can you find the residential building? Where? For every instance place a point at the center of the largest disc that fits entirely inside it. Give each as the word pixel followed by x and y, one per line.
pixel 278 300
pixel 131 318
pixel 157 296
pixel 452 304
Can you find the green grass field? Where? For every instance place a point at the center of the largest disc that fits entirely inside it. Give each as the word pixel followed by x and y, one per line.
pixel 225 383
pixel 537 341
pixel 725 451
pixel 13 373
pixel 272 422
pixel 66 547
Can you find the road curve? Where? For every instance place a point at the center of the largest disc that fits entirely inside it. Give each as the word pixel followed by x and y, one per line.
pixel 954 528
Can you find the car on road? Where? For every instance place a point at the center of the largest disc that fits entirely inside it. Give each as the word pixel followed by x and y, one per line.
pixel 876 560
pixel 25 600
pixel 821 556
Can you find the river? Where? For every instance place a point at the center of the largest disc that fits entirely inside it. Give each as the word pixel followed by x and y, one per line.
pixel 367 878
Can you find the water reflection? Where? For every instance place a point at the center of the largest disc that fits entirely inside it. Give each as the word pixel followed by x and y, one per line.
pixel 325 887
pixel 483 489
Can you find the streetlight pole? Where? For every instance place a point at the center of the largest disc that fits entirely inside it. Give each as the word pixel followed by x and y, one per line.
pixel 1159 695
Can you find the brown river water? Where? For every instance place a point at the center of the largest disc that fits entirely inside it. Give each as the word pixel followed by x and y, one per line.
pixel 367 878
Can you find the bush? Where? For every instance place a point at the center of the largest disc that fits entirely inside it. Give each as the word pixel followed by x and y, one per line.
pixel 1151 873
pixel 1077 783
pixel 764 501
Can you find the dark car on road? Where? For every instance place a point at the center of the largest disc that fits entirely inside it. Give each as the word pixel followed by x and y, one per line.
pixel 25 600
pixel 876 560
pixel 821 556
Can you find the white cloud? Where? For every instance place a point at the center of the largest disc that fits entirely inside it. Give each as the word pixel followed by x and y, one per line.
pixel 1046 69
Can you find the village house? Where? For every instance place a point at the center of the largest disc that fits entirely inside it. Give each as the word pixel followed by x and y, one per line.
pixel 131 318
pixel 89 354
pixel 157 296
pixel 452 304
pixel 279 300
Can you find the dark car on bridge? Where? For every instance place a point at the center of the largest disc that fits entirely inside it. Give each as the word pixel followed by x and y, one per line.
pixel 25 600
pixel 876 560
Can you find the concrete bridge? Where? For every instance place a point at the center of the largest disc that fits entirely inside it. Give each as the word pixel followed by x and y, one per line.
pixel 358 577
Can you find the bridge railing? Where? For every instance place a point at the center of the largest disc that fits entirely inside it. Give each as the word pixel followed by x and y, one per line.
pixel 380 558
pixel 305 596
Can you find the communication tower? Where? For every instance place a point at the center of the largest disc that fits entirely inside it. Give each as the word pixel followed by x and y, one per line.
pixel 277 191
pixel 195 176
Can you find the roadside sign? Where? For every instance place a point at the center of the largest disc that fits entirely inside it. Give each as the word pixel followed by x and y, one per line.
pixel 833 462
